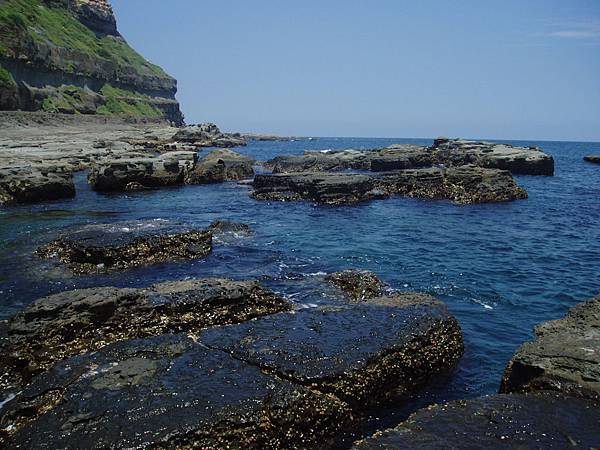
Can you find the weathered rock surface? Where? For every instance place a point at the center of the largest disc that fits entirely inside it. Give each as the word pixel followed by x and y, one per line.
pixel 167 392
pixel 100 248
pixel 208 135
pixel 450 153
pixel 363 353
pixel 592 158
pixel 548 421
pixel 359 285
pixel 219 166
pixel 115 175
pixel 565 356
pixel 29 184
pixel 74 322
pixel 517 160
pixel 464 185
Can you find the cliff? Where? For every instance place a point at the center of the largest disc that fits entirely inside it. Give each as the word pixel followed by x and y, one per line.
pixel 67 56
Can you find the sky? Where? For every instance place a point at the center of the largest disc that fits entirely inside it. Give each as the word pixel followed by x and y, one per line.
pixel 504 69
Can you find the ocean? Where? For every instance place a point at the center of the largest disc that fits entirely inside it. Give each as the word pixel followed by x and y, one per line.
pixel 500 268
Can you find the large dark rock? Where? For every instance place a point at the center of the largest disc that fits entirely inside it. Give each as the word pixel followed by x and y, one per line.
pixel 19 185
pixel 359 285
pixel 362 353
pixel 517 160
pixel 208 135
pixel 100 248
pixel 74 322
pixel 116 175
pixel 219 166
pixel 549 421
pixel 167 392
pixel 446 152
pixel 464 185
pixel 565 356
pixel 592 158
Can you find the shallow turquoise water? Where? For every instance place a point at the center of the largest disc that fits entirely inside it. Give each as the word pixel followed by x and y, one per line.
pixel 501 268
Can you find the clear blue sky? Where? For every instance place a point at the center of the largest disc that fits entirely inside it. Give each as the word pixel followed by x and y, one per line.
pixel 514 69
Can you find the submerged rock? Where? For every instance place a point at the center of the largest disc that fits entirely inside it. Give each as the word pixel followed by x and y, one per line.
pixel 208 135
pixel 74 322
pixel 31 184
pixel 565 356
pixel 227 226
pixel 100 248
pixel 117 175
pixel 363 353
pixel 167 392
pixel 219 166
pixel 446 152
pixel 549 421
pixel 464 185
pixel 359 285
pixel 592 158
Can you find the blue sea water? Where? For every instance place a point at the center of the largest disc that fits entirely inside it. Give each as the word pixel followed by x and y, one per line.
pixel 501 268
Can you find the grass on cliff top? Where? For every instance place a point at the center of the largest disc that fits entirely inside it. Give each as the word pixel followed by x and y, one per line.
pixel 22 18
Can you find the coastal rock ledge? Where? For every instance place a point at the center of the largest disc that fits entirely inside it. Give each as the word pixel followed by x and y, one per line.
pixel 550 398
pixel 132 368
pixel 21 185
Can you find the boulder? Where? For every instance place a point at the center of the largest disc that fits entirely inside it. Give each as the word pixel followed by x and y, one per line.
pixel 110 247
pixel 74 322
pixel 515 421
pixel 167 392
pixel 227 226
pixel 517 160
pixel 363 353
pixel 565 356
pixel 463 185
pixel 219 166
pixel 116 175
pixel 359 285
pixel 208 135
pixel 592 158
pixel 33 184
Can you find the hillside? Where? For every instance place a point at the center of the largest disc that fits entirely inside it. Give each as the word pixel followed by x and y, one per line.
pixel 67 56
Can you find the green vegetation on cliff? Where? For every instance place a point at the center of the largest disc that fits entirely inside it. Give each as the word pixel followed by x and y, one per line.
pixel 6 78
pixel 22 19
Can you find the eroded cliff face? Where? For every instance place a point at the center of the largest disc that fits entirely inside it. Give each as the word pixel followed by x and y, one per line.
pixel 67 56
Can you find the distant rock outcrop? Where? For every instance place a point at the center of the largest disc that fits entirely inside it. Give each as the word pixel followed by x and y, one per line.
pixel 67 56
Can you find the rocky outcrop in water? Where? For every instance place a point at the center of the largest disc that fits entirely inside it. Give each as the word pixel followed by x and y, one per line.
pixel 208 135
pixel 67 56
pixel 219 166
pixel 74 322
pixel 27 184
pixel 464 185
pixel 446 152
pixel 117 175
pixel 101 248
pixel 592 158
pixel 565 356
pixel 359 285
pixel 549 421
pixel 139 367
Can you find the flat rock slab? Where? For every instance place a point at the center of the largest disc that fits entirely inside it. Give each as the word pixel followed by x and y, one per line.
pixel 446 152
pixel 122 174
pixel 219 166
pixel 592 158
pixel 74 322
pixel 517 160
pixel 463 185
pixel 167 392
pixel 549 421
pixel 32 184
pixel 110 247
pixel 565 356
pixel 362 353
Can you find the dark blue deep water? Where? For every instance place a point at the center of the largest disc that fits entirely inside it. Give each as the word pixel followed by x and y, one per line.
pixel 501 268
